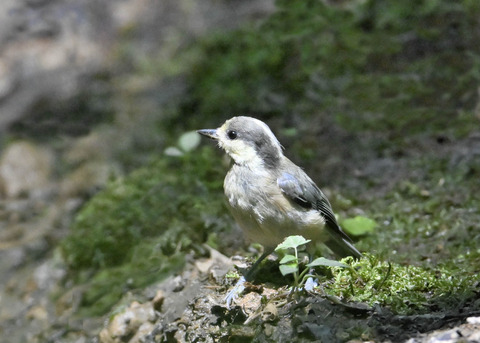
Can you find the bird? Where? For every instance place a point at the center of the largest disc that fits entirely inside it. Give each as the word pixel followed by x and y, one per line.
pixel 270 197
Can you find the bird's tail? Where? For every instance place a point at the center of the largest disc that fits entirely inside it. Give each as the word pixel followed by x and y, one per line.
pixel 343 247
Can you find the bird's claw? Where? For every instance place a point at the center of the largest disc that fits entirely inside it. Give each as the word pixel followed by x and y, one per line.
pixel 235 291
pixel 310 284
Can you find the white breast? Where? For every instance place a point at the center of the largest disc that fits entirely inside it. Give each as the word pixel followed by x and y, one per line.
pixel 264 214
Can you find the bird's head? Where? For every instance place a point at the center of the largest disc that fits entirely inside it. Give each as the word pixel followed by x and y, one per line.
pixel 248 141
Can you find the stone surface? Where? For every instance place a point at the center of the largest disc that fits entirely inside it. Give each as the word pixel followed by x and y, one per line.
pixel 50 50
pixel 133 321
pixel 24 169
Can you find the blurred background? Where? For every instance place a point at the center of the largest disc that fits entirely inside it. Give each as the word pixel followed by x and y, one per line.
pixel 103 189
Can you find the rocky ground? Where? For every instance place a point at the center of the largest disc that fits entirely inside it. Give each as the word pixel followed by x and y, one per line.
pixel 191 307
pixel 50 52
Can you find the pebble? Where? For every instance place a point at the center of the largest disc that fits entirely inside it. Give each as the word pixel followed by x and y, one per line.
pixel 473 320
pixel 128 323
pixel 24 168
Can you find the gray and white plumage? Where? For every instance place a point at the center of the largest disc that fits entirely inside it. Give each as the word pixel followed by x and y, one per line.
pixel 270 197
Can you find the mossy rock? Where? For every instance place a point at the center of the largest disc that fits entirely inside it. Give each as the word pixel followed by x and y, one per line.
pixel 140 227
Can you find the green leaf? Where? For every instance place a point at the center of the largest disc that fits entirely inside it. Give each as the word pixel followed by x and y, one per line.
pixel 189 141
pixel 288 258
pixel 359 225
pixel 321 261
pixel 286 269
pixel 292 242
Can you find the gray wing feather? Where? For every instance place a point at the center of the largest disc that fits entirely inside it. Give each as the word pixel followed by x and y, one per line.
pixel 303 191
pixel 291 187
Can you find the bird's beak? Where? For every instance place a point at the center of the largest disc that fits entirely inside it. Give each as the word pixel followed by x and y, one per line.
pixel 210 133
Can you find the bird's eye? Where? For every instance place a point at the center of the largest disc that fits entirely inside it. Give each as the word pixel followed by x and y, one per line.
pixel 232 134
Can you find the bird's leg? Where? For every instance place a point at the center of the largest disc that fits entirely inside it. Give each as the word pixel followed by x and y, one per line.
pixel 239 286
pixel 311 283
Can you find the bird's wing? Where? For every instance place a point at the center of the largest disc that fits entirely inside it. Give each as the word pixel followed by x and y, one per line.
pixel 304 192
pixel 292 188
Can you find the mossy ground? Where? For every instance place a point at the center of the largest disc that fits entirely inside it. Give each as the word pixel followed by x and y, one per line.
pixel 404 289
pixel 139 229
pixel 382 97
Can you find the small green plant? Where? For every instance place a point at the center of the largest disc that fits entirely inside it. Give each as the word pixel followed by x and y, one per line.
pixel 187 142
pixel 291 264
pixel 358 225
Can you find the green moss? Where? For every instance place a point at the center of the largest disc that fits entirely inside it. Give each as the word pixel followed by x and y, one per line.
pixel 429 217
pixel 386 67
pixel 139 228
pixel 429 231
pixel 404 289
pixel 107 286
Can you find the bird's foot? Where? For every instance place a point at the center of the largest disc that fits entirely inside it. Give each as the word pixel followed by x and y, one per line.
pixel 310 284
pixel 235 291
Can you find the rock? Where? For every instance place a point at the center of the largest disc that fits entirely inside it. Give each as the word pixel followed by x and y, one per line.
pixel 89 157
pixel 50 51
pixel 37 312
pixel 133 321
pixel 94 146
pixel 158 300
pixel 46 47
pixel 469 332
pixel 142 331
pixel 86 179
pixel 6 80
pixel 473 320
pixel 216 265
pixel 25 169
pixel 250 303
pixel 48 274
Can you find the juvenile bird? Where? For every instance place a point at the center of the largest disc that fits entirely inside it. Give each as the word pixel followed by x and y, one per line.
pixel 270 197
